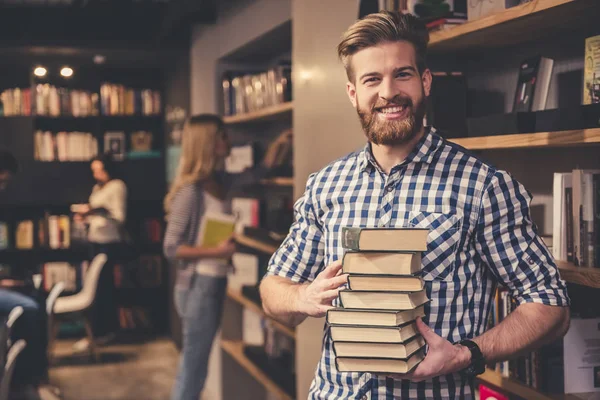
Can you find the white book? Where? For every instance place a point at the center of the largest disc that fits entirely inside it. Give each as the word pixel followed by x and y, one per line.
pixel 581 346
pixel 562 180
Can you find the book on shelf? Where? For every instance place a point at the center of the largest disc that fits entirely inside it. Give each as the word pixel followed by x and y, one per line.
pixel 386 283
pixel 385 239
pixel 591 71
pixel 584 240
pixel 379 350
pixel 382 300
pixel 379 365
pixel 562 181
pixel 245 271
pixel 381 263
pixel 581 346
pixel 487 393
pixel 346 316
pixel 533 83
pixel 247 211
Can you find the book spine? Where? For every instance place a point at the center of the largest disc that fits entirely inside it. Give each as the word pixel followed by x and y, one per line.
pixel 569 214
pixel 350 238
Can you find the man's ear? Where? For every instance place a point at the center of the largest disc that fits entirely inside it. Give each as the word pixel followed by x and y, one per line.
pixel 426 79
pixel 351 90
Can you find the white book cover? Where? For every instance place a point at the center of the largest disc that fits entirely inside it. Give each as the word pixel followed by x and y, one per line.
pixel 245 271
pixel 581 347
pixel 562 180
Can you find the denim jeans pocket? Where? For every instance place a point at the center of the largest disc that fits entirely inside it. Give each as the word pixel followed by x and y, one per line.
pixel 180 300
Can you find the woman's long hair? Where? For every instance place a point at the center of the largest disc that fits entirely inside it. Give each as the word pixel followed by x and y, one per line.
pixel 197 162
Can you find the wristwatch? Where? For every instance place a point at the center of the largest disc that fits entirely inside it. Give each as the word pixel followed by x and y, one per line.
pixel 477 365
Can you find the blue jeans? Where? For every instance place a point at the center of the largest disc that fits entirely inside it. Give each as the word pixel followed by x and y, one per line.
pixel 31 326
pixel 200 308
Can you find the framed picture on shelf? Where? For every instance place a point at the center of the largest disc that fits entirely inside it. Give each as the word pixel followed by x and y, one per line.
pixel 114 142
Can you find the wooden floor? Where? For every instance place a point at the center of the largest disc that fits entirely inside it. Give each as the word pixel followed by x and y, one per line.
pixel 128 370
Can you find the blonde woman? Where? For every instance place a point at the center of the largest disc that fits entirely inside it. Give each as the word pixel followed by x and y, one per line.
pixel 201 186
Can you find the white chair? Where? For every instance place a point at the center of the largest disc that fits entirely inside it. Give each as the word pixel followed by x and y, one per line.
pixel 5 340
pixel 78 305
pixel 52 326
pixel 9 368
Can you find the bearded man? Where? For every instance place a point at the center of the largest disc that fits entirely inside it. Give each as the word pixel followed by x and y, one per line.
pixel 480 230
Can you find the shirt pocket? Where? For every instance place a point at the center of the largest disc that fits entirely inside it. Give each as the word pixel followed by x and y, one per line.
pixel 438 262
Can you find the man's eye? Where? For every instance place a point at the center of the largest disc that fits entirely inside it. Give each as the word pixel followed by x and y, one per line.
pixel 370 80
pixel 403 75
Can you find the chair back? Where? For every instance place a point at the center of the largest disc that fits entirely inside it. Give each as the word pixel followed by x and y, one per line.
pixel 92 276
pixel 57 289
pixel 9 368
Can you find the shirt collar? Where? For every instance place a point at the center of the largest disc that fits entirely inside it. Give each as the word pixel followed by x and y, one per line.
pixel 423 152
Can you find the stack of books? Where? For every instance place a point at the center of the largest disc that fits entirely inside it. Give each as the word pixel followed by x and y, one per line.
pixel 374 330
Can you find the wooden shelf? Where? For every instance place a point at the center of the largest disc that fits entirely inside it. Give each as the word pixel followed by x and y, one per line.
pixel 249 304
pixel 236 350
pixel 255 244
pixel 279 181
pixel 529 21
pixel 579 137
pixel 261 115
pixel 586 276
pixel 511 386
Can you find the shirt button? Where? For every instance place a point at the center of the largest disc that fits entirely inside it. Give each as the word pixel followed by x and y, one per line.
pixel 389 188
pixel 364 398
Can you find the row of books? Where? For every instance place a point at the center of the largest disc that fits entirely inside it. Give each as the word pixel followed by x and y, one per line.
pixel 51 231
pixel 118 99
pixel 576 225
pixel 374 328
pixel 64 146
pixel 50 100
pixel 243 93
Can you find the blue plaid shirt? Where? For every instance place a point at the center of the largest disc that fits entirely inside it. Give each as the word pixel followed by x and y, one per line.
pixel 481 235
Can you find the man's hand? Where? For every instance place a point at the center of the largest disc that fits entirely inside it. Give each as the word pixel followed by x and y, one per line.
pixel 315 299
pixel 442 357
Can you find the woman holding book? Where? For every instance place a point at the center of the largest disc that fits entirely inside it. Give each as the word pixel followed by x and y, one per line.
pixel 105 215
pixel 200 189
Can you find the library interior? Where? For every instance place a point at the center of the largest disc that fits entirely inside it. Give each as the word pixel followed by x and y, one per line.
pixel 177 176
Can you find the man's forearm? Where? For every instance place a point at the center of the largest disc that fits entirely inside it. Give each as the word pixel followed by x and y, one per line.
pixel 530 326
pixel 280 298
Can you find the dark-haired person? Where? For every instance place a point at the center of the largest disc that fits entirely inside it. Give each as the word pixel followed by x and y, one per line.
pixel 105 215
pixel 481 234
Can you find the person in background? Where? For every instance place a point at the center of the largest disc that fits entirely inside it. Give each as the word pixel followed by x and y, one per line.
pixel 32 363
pixel 202 186
pixel 105 215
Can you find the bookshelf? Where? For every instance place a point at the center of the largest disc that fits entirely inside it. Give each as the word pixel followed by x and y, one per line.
pixel 249 304
pixel 578 137
pixel 42 186
pixel 235 349
pixel 279 181
pixel 255 244
pixel 511 386
pixel 533 20
pixel 586 276
pixel 278 111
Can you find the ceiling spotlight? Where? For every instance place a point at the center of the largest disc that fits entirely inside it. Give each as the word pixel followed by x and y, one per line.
pixel 99 59
pixel 40 71
pixel 66 72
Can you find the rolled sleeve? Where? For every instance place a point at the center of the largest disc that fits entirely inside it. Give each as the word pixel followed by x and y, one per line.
pixel 178 224
pixel 508 242
pixel 300 256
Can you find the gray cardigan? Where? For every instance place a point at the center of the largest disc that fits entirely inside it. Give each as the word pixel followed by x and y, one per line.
pixel 184 218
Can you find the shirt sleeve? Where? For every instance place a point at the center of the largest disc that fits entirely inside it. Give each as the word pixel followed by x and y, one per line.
pixel 300 256
pixel 507 241
pixel 178 223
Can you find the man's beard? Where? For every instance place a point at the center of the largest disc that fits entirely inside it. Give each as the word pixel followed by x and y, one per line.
pixel 383 132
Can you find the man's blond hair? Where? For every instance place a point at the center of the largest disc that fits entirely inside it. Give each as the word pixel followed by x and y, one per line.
pixel 382 27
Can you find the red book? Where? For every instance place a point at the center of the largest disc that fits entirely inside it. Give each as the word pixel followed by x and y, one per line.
pixel 485 393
